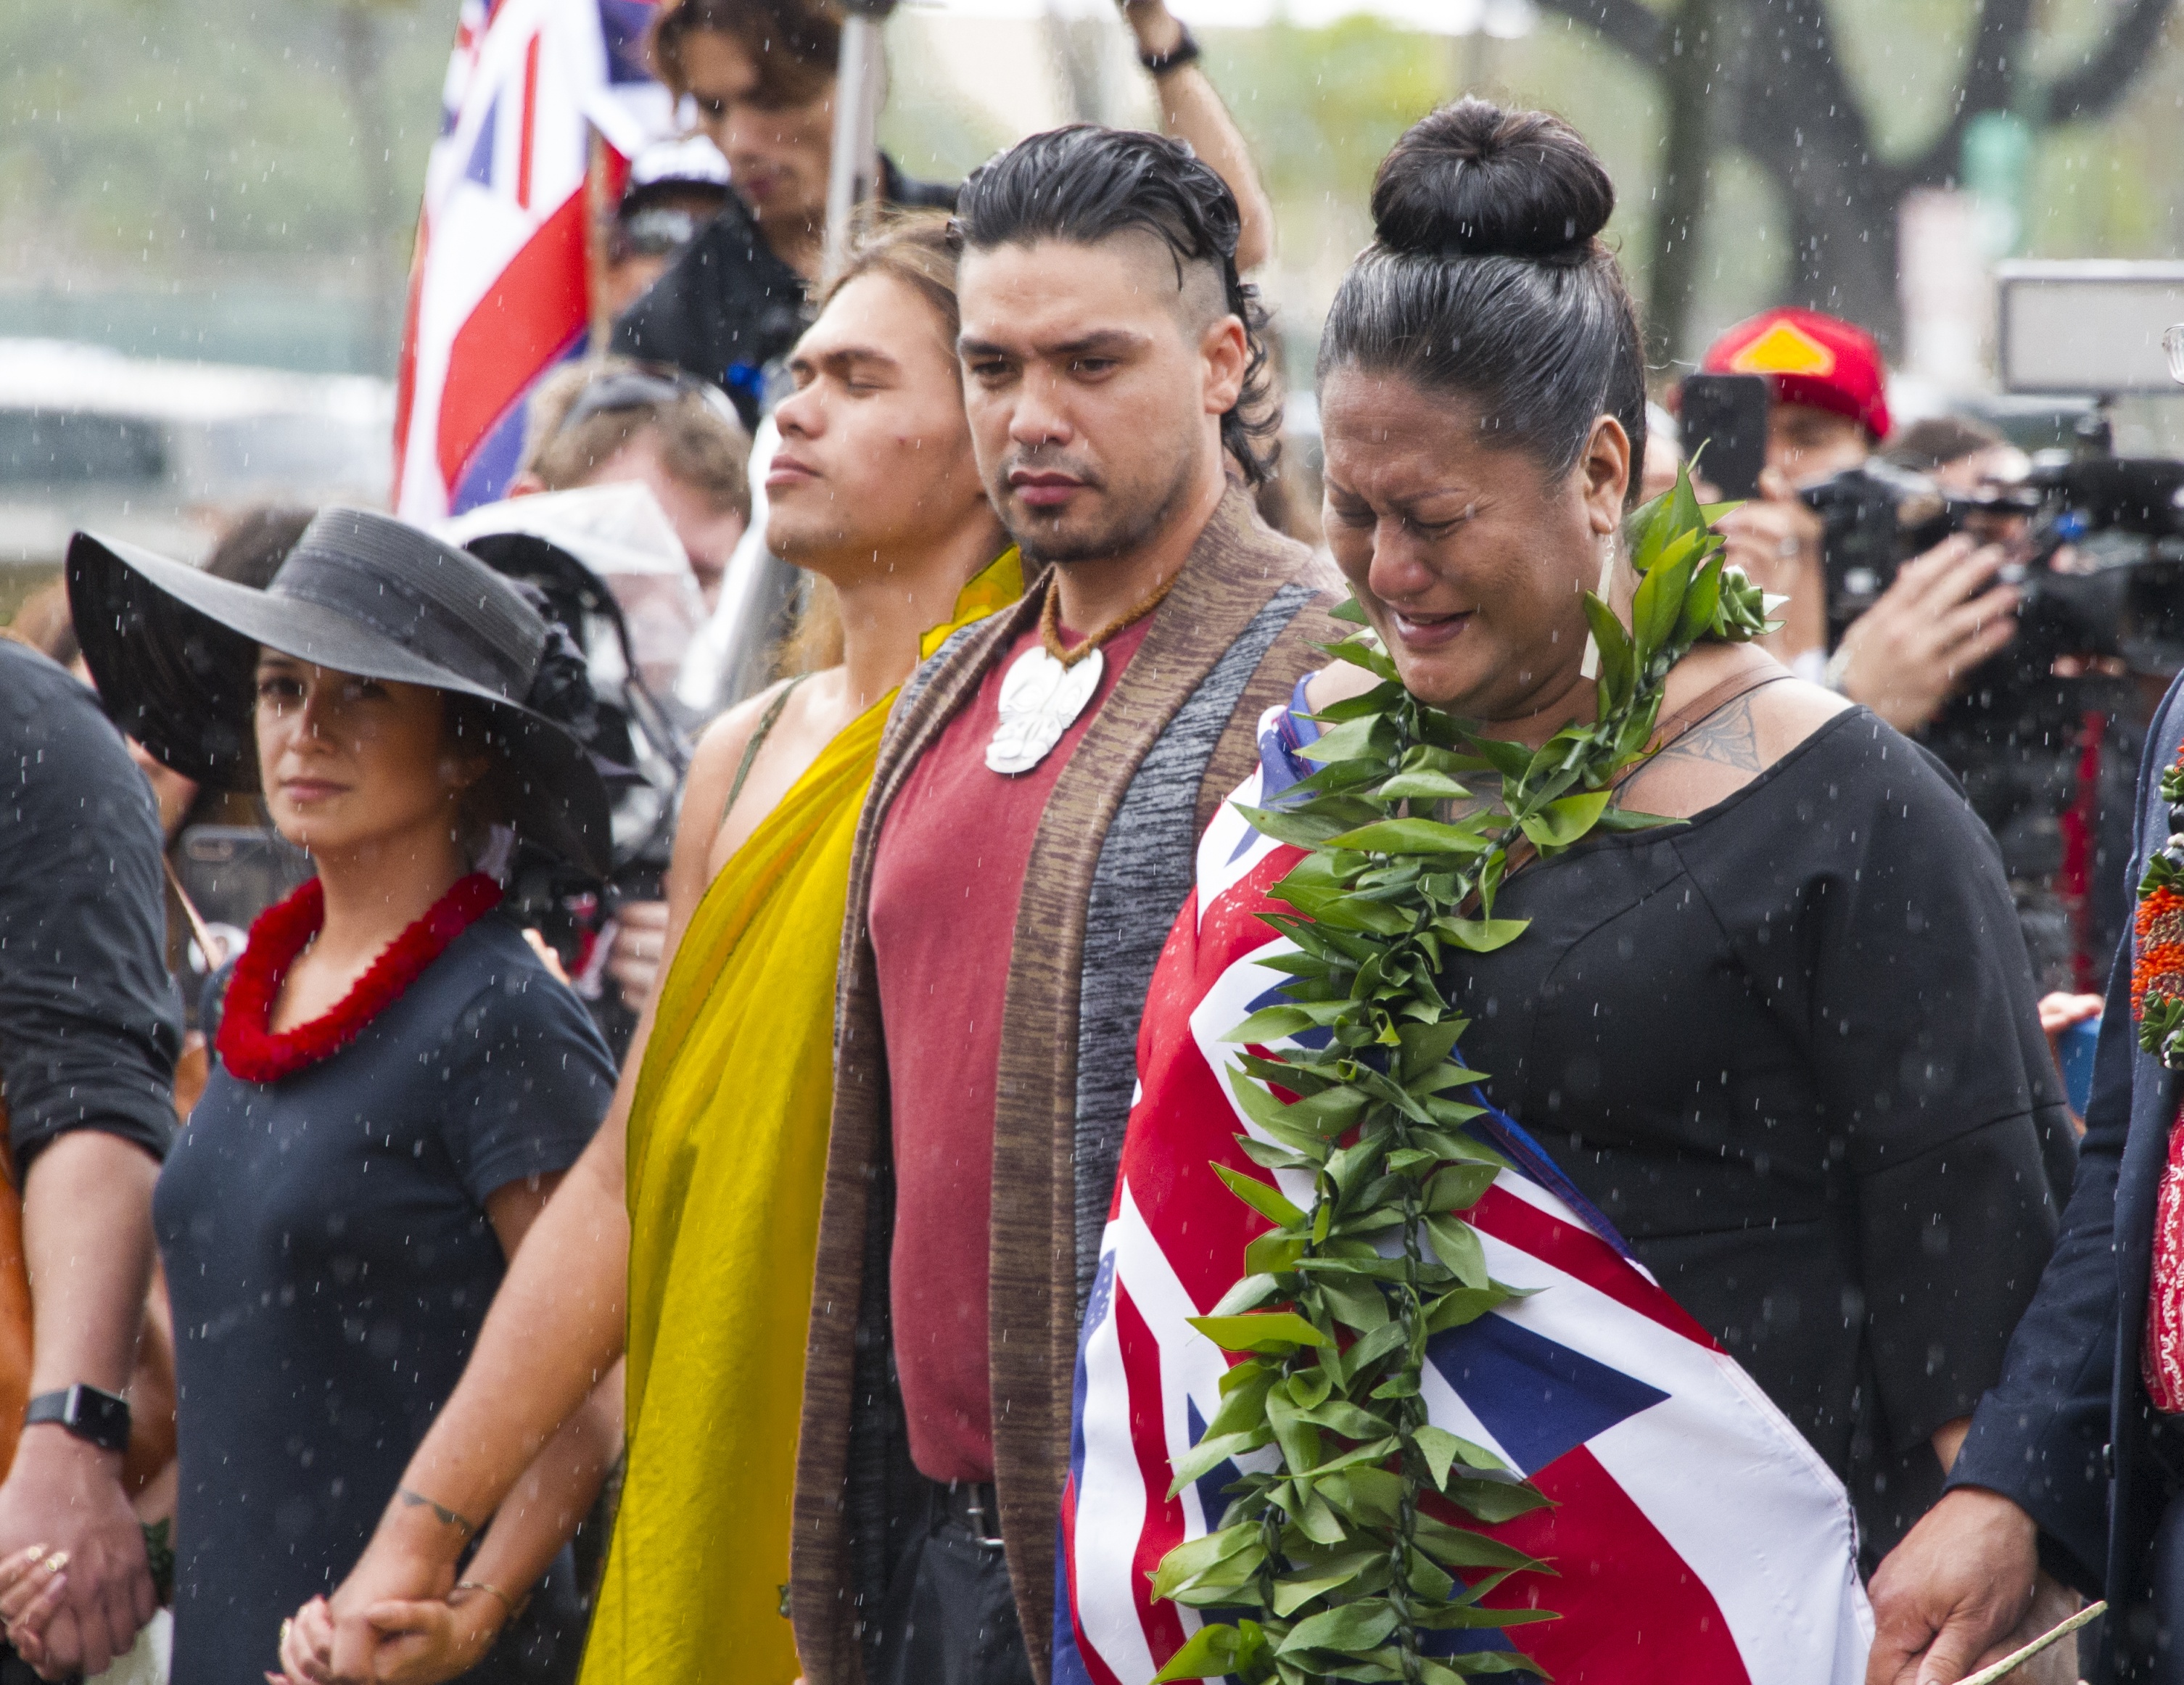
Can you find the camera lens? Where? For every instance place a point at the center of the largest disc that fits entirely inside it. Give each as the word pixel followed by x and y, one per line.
pixel 2172 345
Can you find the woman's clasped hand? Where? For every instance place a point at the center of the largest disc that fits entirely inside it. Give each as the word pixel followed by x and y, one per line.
pixel 31 1582
pixel 418 1642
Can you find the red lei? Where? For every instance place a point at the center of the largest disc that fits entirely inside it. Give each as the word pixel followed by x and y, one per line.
pixel 2161 1356
pixel 249 1047
pixel 2157 985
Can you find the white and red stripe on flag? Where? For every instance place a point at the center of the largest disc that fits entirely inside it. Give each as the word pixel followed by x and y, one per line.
pixel 1696 1535
pixel 499 289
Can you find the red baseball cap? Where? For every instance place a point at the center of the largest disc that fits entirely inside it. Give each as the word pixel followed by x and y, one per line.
pixel 1811 358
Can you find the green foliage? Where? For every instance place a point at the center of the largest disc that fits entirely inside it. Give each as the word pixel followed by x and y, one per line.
pixel 1336 1562
pixel 2161 1028
pixel 2165 871
pixel 156 131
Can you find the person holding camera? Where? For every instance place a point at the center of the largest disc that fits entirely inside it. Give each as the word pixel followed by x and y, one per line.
pixel 1894 571
pixel 1941 616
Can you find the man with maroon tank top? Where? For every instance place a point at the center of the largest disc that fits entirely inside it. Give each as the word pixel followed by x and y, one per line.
pixel 1029 840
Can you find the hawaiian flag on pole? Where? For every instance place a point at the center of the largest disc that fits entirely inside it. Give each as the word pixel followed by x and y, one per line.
pixel 1694 1533
pixel 498 288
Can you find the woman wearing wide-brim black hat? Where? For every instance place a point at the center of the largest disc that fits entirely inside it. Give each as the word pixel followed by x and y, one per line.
pixel 173 650
pixel 400 1079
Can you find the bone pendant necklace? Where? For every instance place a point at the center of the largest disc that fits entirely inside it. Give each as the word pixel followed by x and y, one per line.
pixel 1046 689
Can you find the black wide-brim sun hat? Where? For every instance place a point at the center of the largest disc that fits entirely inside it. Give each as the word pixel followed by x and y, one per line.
pixel 174 651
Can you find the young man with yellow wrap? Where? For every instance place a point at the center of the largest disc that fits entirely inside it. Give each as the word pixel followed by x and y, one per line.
pixel 690 1225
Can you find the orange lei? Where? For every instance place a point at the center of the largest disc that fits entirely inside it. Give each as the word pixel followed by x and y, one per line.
pixel 2159 968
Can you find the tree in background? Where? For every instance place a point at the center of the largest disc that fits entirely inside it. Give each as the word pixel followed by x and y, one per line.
pixel 362 56
pixel 203 177
pixel 1766 77
pixel 223 179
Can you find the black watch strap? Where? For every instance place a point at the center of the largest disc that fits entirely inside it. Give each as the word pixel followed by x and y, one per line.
pixel 99 1418
pixel 1184 52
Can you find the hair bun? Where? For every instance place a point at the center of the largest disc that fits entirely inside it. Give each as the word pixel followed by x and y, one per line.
pixel 1472 180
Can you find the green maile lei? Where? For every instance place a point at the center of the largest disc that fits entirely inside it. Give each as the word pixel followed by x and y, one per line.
pixel 1327 1566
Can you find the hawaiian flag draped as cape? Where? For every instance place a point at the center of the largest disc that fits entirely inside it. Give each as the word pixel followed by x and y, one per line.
pixel 1694 1533
pixel 499 291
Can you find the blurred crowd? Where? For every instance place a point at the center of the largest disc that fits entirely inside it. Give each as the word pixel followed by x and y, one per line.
pixel 566 1072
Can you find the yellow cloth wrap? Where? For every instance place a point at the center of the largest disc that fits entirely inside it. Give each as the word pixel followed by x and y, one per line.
pixel 727 1153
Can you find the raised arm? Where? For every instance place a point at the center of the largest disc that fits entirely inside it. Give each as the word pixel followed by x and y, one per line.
pixel 1192 111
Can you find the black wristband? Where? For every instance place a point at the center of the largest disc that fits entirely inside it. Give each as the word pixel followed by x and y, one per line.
pixel 96 1417
pixel 1184 52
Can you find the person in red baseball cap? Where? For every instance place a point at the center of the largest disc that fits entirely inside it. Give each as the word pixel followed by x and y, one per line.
pixel 1943 616
pixel 1831 404
pixel 1829 411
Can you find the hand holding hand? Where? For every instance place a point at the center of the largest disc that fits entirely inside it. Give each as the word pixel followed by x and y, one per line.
pixel 307 1647
pixel 386 1574
pixel 1905 657
pixel 31 1582
pixel 424 1642
pixel 65 1496
pixel 1952 1596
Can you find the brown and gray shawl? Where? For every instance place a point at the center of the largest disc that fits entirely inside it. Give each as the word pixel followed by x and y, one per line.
pixel 1111 866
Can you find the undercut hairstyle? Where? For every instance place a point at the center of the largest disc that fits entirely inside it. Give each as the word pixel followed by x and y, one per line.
pixel 1087 184
pixel 1487 281
pixel 795 44
pixel 699 444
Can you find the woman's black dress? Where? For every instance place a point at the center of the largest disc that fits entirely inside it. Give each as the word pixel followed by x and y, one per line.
pixel 330 1263
pixel 1791 1050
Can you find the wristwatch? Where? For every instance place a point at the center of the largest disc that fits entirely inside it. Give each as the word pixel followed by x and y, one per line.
pixel 97 1417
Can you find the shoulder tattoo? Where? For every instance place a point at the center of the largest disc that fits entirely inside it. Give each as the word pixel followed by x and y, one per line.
pixel 1728 737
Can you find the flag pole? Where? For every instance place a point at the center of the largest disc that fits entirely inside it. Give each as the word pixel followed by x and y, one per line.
pixel 2016 1658
pixel 853 176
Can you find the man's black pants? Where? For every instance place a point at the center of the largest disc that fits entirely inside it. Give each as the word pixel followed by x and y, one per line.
pixel 950 1617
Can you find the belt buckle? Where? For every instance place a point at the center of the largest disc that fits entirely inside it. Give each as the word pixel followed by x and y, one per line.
pixel 981 1524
